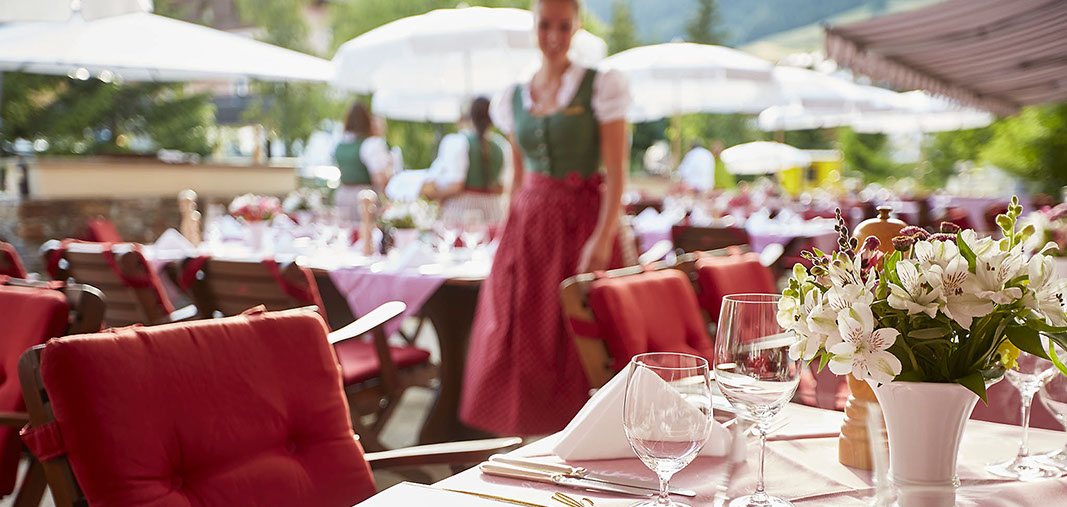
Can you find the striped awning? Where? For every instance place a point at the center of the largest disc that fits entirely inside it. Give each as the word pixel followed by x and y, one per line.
pixel 994 54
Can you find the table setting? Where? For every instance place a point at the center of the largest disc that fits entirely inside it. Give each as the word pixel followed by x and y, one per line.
pixel 673 429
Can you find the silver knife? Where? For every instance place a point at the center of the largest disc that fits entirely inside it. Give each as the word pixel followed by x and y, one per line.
pixel 529 474
pixel 582 473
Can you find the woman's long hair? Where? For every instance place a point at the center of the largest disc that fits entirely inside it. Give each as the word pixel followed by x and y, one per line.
pixel 482 123
pixel 358 121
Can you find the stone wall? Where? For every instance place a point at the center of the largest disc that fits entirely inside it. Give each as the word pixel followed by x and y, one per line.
pixel 27 224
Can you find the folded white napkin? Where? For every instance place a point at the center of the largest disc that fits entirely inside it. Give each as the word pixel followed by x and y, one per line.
pixel 172 241
pixel 230 228
pixel 597 432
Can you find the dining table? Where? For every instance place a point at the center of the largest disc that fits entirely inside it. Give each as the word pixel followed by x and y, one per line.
pixel 801 466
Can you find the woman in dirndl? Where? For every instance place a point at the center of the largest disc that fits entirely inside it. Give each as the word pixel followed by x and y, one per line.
pixel 523 375
pixel 465 176
pixel 364 160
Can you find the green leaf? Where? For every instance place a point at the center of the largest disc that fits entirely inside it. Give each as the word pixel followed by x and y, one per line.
pixel 928 333
pixel 823 361
pixel 1040 325
pixel 817 252
pixel 975 382
pixel 909 376
pixel 1027 339
pixel 1056 360
pixel 967 253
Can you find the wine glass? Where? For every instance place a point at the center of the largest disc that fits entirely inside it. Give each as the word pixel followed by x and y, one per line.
pixel 474 228
pixel 1054 398
pixel 667 414
pixel 754 371
pixel 1031 372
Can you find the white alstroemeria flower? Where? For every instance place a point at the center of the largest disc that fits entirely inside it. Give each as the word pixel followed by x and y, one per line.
pixel 980 247
pixel 788 312
pixel 863 353
pixel 912 294
pixel 994 268
pixel 939 253
pixel 1046 290
pixel 841 297
pixel 957 303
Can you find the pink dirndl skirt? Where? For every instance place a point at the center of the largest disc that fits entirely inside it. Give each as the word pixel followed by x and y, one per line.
pixel 523 376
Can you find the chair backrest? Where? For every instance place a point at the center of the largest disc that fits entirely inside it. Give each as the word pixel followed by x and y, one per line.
pixel 690 238
pixel 231 287
pixel 131 285
pixel 32 313
pixel 630 311
pixel 102 230
pixel 10 263
pixel 247 410
pixel 720 276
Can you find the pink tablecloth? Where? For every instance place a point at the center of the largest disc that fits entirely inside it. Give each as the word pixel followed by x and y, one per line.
pixel 804 470
pixel 365 290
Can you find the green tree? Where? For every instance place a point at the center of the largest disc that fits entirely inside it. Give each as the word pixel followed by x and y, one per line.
pixel 291 111
pixel 622 34
pixel 704 27
pixel 867 154
pixel 943 150
pixel 1033 146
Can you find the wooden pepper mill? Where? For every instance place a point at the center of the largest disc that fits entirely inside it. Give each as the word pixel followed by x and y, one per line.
pixel 189 226
pixel 854 445
pixel 368 210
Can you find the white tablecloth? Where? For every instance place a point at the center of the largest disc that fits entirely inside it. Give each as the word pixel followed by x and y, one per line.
pixel 803 470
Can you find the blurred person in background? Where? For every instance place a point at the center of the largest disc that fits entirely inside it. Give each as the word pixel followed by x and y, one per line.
pixel 696 172
pixel 363 158
pixel 466 175
pixel 565 124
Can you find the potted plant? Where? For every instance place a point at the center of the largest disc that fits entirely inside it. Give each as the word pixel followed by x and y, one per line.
pixel 928 326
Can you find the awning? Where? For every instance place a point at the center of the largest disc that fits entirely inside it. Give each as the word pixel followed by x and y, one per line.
pixel 993 54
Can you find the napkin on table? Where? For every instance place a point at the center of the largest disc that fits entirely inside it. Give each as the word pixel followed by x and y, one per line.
pixel 597 432
pixel 172 241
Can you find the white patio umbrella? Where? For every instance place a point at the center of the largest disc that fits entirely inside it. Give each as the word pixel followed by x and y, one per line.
pixel 809 100
pixel 449 54
pixel 763 157
pixel 680 78
pixel 918 111
pixel 430 106
pixel 145 47
pixel 12 11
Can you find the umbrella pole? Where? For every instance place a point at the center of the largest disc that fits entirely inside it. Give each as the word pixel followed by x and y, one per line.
pixel 676 142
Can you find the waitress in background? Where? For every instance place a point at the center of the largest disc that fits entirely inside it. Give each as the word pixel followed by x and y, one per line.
pixel 466 174
pixel 364 160
pixel 568 138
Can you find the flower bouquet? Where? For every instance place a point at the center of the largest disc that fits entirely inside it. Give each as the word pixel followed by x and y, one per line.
pixel 303 199
pixel 949 307
pixel 255 208
pixel 939 312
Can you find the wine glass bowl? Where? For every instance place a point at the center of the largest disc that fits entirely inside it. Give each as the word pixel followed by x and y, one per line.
pixel 753 369
pixel 1054 398
pixel 667 413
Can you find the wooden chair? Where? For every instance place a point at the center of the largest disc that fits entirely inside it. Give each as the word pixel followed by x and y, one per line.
pixel 33 312
pixel 132 288
pixel 696 239
pixel 375 373
pixel 259 420
pixel 614 315
pixel 10 263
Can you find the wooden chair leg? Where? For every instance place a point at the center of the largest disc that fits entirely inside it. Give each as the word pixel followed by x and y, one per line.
pixel 33 485
pixel 410 339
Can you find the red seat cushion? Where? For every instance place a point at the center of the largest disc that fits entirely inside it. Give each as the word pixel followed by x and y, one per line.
pixel 731 274
pixel 359 360
pixel 29 317
pixel 10 263
pixel 103 230
pixel 655 311
pixel 246 410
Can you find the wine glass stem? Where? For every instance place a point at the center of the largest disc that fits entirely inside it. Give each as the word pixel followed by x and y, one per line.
pixel 664 484
pixel 1028 399
pixel 760 496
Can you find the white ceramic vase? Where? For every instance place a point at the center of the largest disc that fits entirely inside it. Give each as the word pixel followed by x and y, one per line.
pixel 256 235
pixel 924 422
pixel 402 238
